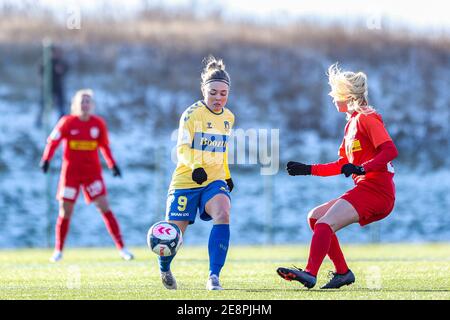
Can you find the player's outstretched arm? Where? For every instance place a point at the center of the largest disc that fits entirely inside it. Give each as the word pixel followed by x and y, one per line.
pixel 385 153
pixel 298 169
pixel 323 170
pixel 329 169
pixel 349 169
pixel 332 168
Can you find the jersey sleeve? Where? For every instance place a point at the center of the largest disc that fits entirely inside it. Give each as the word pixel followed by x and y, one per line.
pixel 104 145
pixel 225 157
pixel 386 152
pixel 226 168
pixel 186 131
pixel 186 156
pixel 331 168
pixel 54 139
pixel 375 130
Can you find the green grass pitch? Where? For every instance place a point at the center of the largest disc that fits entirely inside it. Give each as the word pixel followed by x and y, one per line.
pixel 385 271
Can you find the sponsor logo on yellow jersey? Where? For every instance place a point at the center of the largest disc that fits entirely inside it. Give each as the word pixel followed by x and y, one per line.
pixel 210 142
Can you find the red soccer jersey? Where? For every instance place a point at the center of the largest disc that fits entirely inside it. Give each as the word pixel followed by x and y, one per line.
pixel 81 139
pixel 363 135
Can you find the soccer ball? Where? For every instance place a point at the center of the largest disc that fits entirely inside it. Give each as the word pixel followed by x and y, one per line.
pixel 164 238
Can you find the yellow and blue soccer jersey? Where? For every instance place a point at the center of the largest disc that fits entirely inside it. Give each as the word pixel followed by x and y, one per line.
pixel 202 142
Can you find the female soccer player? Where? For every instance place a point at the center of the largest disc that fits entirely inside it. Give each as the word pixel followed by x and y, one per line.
pixel 83 134
pixel 201 180
pixel 366 153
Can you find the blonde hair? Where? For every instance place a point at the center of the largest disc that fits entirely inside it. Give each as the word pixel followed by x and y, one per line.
pixel 75 107
pixel 214 70
pixel 351 87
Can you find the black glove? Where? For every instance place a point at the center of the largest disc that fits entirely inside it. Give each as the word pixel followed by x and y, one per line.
pixel 298 169
pixel 349 169
pixel 44 166
pixel 230 184
pixel 199 175
pixel 116 171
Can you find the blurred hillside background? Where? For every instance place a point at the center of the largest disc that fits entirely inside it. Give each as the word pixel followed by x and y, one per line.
pixel 143 62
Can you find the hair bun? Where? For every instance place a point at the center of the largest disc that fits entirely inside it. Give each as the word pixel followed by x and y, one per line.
pixel 214 69
pixel 211 63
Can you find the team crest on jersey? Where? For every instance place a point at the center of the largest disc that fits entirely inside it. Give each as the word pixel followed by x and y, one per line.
pixel 226 125
pixel 209 125
pixel 94 132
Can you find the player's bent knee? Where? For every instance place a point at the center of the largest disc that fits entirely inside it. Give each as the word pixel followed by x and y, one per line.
pixel 311 222
pixel 102 205
pixel 222 216
pixel 311 214
pixel 315 214
pixel 326 221
pixel 320 211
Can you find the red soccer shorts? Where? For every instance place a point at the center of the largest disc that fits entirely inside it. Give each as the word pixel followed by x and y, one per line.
pixel 69 187
pixel 373 200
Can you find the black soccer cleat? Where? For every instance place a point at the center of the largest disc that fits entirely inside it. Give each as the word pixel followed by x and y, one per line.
pixel 338 280
pixel 297 274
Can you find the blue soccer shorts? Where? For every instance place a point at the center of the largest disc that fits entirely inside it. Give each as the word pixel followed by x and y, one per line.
pixel 183 204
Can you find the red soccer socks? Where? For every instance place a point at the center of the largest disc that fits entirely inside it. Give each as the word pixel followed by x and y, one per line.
pixel 320 244
pixel 334 253
pixel 113 228
pixel 61 230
